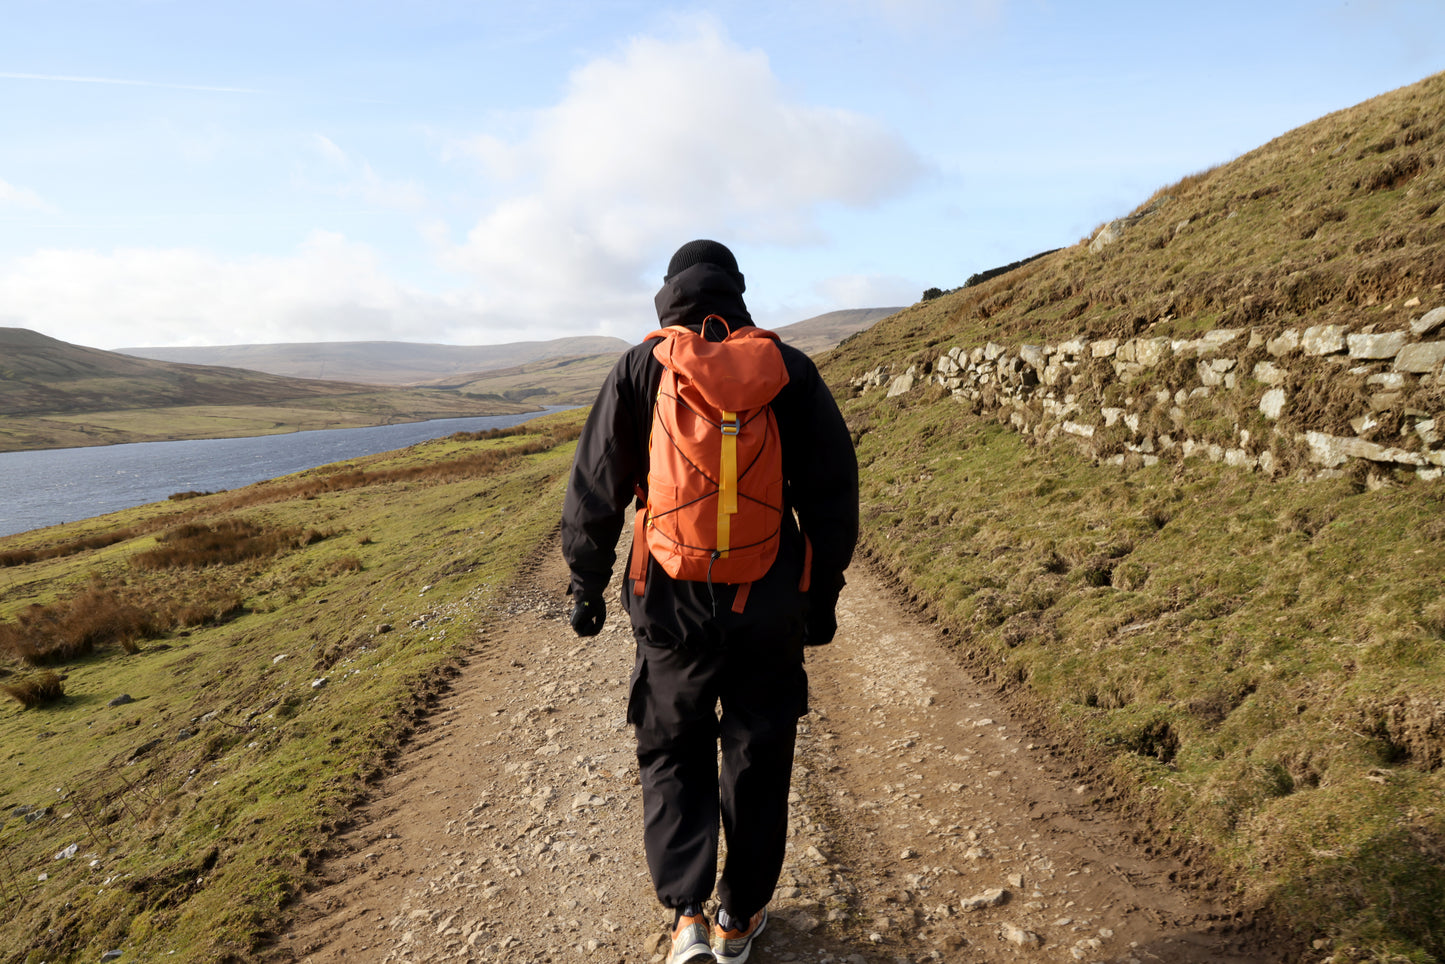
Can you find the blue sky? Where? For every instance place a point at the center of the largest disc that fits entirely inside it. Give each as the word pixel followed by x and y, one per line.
pixel 175 172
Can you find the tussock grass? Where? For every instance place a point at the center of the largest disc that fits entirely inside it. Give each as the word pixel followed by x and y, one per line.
pixel 206 799
pixel 37 690
pixel 24 557
pixel 226 542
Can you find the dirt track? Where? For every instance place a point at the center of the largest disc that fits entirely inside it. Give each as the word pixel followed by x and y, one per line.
pixel 511 830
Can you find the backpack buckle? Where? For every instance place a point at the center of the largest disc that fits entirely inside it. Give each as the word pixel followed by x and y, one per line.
pixel 731 428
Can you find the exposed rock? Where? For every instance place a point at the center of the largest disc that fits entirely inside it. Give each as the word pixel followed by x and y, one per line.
pixel 1387 345
pixel 1015 934
pixel 1427 323
pixel 121 700
pixel 1420 357
pixel 903 383
pixel 1107 235
pixel 1150 352
pixel 1389 381
pixel 1033 355
pixel 1323 340
pixel 1287 342
pixel 1218 338
pixel 1269 373
pixel 989 898
pixel 1332 451
pixel 1273 403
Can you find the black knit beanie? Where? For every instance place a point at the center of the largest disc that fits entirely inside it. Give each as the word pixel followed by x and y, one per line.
pixel 704 252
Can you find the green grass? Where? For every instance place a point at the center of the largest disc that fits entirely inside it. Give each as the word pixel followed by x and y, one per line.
pixel 203 803
pixel 1255 667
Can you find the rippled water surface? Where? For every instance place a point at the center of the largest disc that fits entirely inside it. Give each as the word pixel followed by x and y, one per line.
pixel 61 485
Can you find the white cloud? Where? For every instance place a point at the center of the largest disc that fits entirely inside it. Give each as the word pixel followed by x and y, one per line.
pixel 330 289
pixel 12 196
pixel 664 142
pixel 667 141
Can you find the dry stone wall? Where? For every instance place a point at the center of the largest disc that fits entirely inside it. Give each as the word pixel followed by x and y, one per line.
pixel 1148 398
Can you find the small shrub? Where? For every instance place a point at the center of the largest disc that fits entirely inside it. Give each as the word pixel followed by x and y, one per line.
pixel 37 690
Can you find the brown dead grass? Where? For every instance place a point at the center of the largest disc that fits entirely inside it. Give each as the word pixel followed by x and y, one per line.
pixel 226 542
pixel 24 557
pixel 38 690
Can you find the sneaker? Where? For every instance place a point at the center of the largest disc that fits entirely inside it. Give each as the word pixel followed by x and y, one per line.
pixel 732 947
pixel 689 941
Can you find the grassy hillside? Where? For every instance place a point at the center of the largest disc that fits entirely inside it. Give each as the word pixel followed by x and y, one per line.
pixel 216 680
pixel 53 395
pixel 556 381
pixel 383 362
pixel 817 335
pixel 1255 664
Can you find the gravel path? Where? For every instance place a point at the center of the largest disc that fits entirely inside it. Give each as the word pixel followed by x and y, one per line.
pixel 926 825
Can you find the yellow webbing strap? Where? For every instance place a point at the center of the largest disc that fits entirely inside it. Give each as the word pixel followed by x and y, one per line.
pixel 727 500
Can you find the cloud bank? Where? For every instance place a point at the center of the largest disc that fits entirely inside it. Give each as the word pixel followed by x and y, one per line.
pixel 569 225
pixel 330 289
pixel 666 142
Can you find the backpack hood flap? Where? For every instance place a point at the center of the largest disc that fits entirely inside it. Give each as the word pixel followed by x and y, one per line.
pixel 745 371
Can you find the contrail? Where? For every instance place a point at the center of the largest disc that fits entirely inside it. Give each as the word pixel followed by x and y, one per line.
pixel 127 83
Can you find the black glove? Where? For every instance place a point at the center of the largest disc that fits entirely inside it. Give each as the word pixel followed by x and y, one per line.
pixel 588 615
pixel 821 622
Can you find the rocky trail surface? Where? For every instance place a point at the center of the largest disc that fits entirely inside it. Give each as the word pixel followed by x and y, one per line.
pixel 927 825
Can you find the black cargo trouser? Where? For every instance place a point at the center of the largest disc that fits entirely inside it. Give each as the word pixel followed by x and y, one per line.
pixel 762 689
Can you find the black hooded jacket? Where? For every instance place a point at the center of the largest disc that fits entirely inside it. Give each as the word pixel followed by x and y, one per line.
pixel 820 473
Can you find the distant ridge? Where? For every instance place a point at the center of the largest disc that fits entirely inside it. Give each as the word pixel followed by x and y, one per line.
pixel 814 336
pixel 419 363
pixel 381 362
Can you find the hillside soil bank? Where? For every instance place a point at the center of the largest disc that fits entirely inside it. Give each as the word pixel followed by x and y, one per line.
pixel 511 829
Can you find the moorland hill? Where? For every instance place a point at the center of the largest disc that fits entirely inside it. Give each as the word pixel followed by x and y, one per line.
pixel 54 394
pixel 575 380
pixel 1245 634
pixel 383 362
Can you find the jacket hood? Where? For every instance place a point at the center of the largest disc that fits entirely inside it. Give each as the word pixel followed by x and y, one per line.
pixel 701 290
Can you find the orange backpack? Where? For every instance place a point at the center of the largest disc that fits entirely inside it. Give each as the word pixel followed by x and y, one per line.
pixel 714 499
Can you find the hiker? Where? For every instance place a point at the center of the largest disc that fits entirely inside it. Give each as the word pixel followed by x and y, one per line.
pixel 722 602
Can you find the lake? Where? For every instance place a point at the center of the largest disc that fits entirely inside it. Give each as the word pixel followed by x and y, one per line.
pixel 61 485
